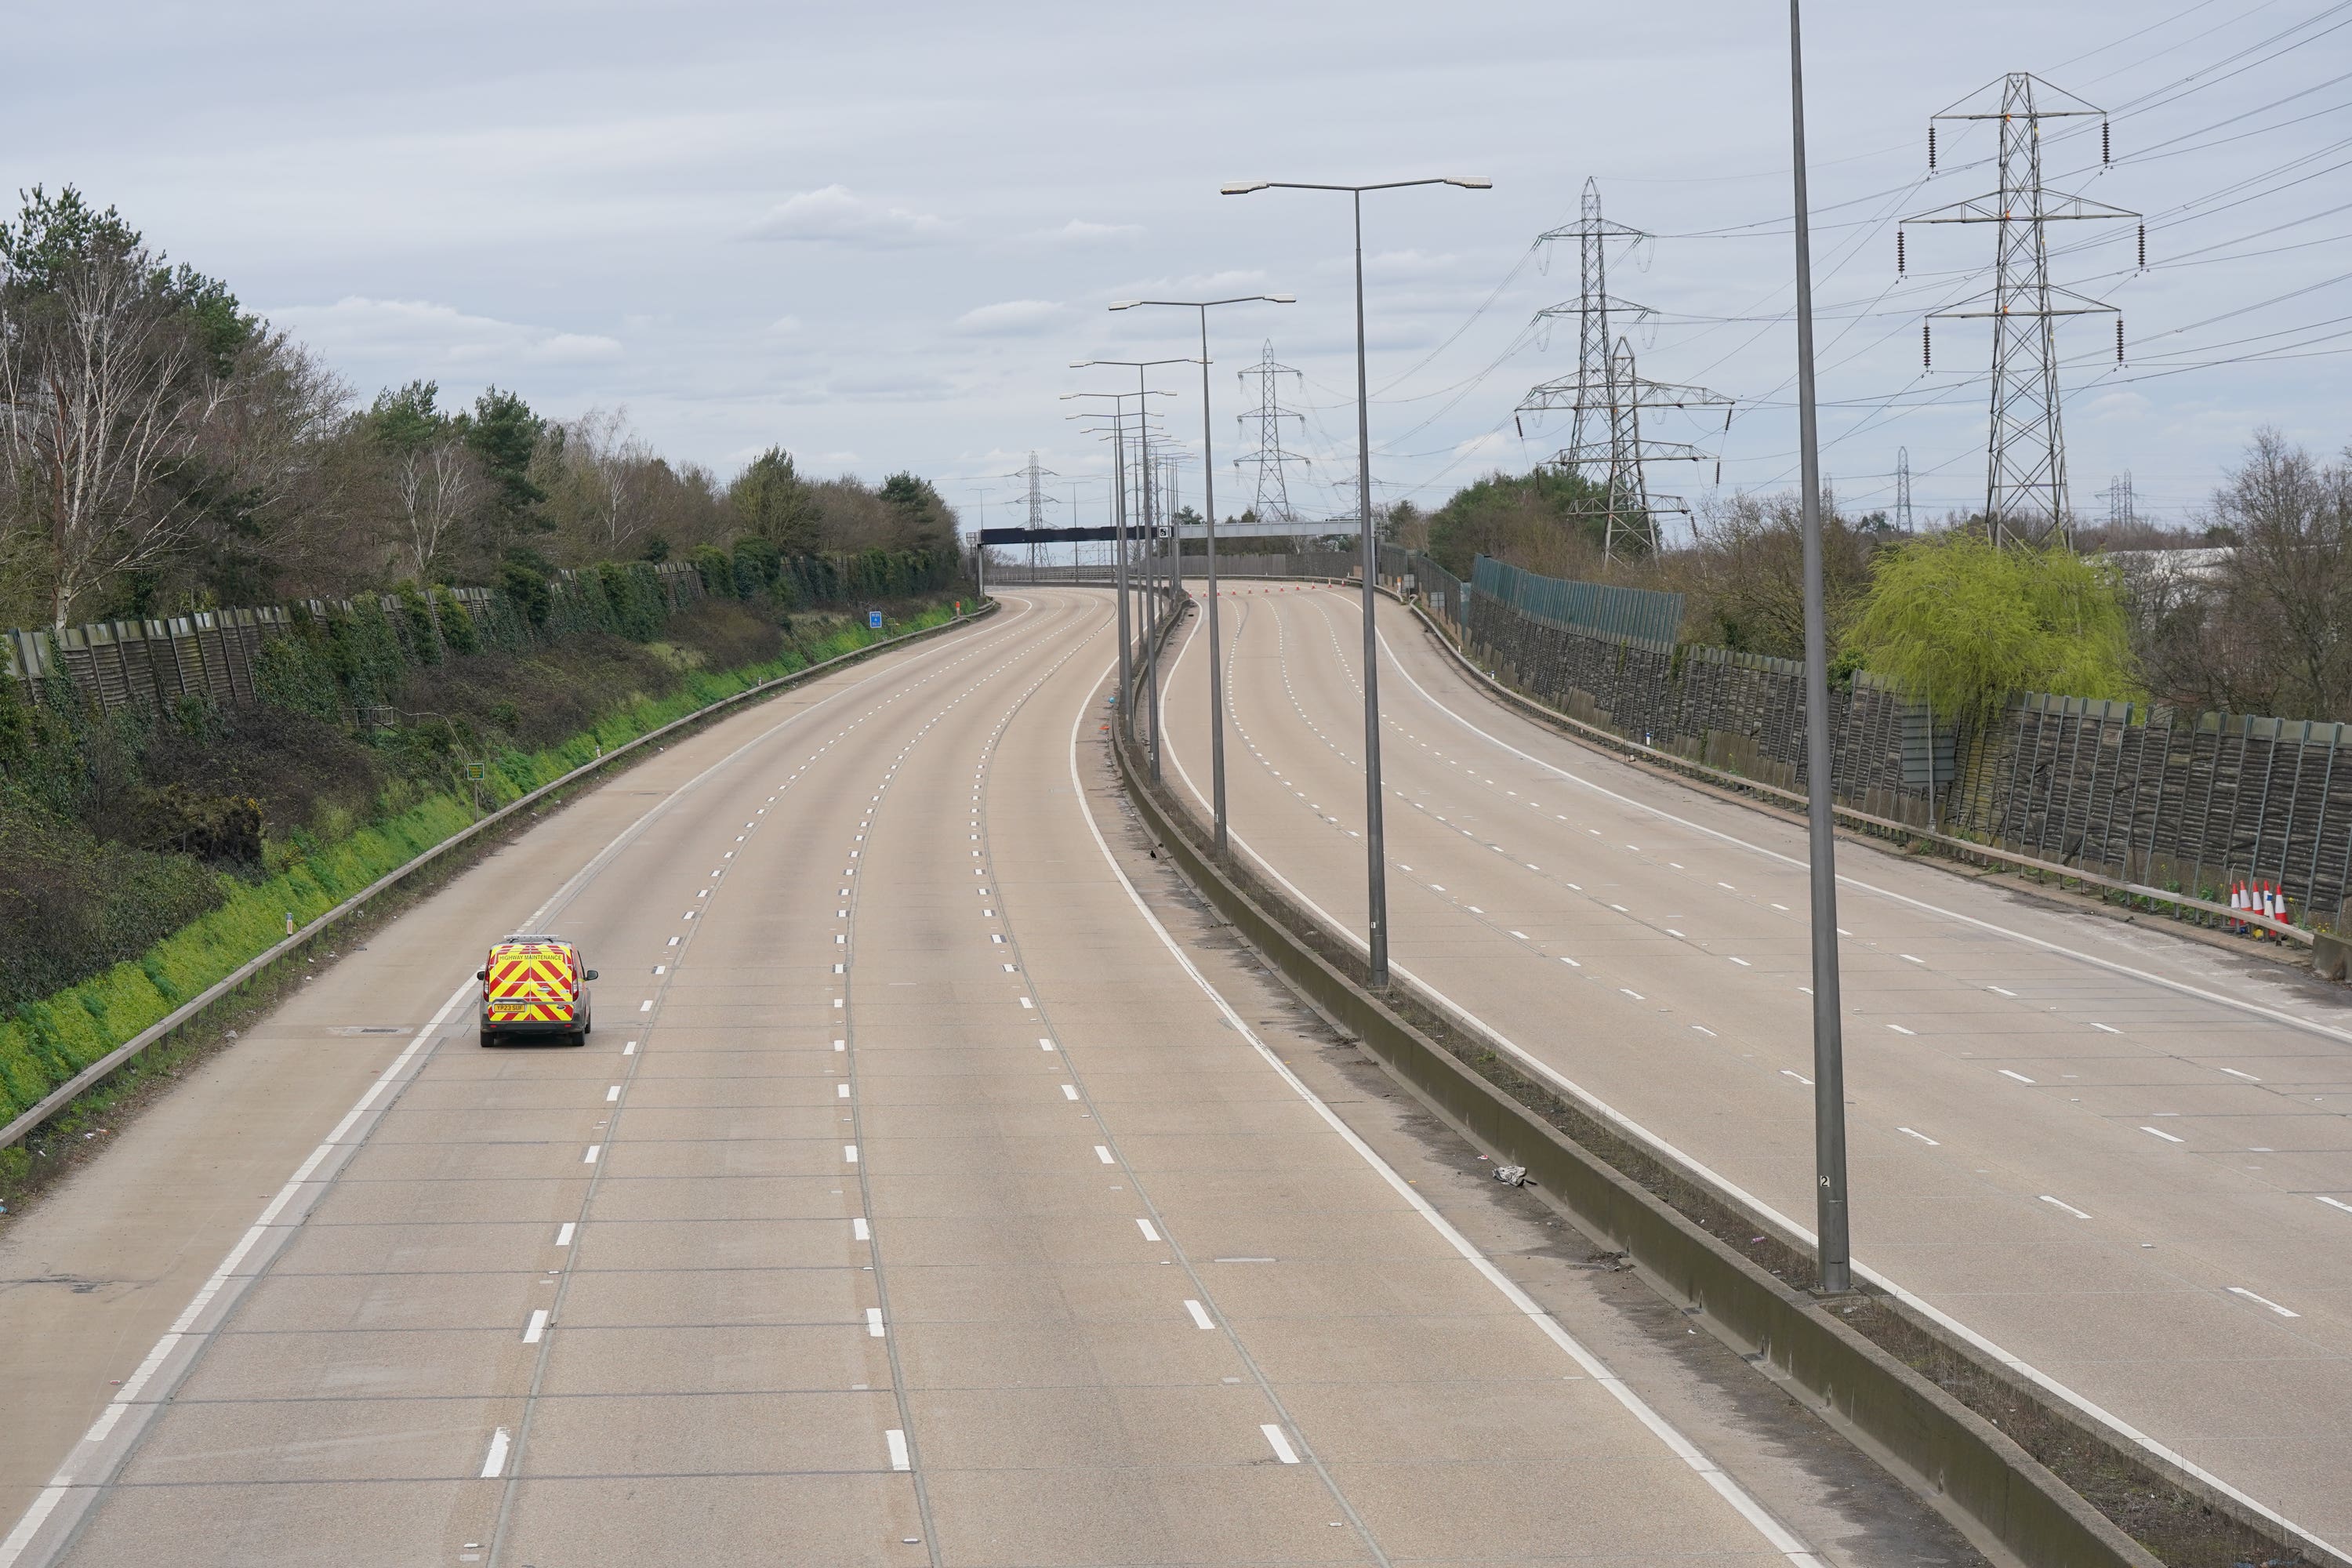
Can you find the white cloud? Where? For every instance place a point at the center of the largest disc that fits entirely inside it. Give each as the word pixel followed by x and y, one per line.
pixel 1010 318
pixel 785 327
pixel 1078 231
pixel 836 216
pixel 435 337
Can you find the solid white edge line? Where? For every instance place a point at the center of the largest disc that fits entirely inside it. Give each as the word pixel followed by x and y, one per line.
pixel 45 1502
pixel 1610 1113
pixel 1730 1491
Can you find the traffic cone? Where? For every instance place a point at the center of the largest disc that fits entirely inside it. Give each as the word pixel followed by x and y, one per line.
pixel 2237 905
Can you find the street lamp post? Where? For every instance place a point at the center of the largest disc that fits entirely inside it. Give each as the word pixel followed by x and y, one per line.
pixel 1151 641
pixel 1375 847
pixel 1119 517
pixel 1836 1258
pixel 1209 513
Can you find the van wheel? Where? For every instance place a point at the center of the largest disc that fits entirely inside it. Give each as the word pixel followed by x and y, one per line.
pixel 579 1038
pixel 488 1039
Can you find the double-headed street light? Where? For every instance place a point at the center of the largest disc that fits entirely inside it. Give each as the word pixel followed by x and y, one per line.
pixel 1151 649
pixel 1375 854
pixel 1209 510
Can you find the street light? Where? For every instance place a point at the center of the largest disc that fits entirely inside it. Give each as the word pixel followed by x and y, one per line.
pixel 1375 845
pixel 1835 1255
pixel 1208 505
pixel 1118 516
pixel 1151 649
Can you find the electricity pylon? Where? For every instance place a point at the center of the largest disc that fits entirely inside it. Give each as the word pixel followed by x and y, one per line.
pixel 1607 394
pixel 1038 501
pixel 1271 503
pixel 2025 453
pixel 2123 506
pixel 1903 489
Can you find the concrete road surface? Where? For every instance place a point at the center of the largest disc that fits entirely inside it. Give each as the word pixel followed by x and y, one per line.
pixel 921 1197
pixel 2114 1153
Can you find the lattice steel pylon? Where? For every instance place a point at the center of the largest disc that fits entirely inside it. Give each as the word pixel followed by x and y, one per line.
pixel 2123 506
pixel 1038 501
pixel 1272 501
pixel 1607 394
pixel 1903 489
pixel 2025 453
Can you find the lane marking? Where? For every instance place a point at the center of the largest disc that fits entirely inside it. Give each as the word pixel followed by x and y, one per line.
pixel 1045 1044
pixel 563 1233
pixel 589 1157
pixel 1901 1030
pixel 2337 1203
pixel 1921 1136
pixel 612 1094
pixel 2018 1076
pixel 897 1441
pixel 874 1324
pixel 630 1050
pixel 2233 1072
pixel 841 1091
pixel 1150 1235
pixel 2070 1208
pixel 1103 1154
pixel 534 1331
pixel 1032 1007
pixel 849 1153
pixel 1781 1539
pixel 2264 1300
pixel 1281 1448
pixel 2161 1132
pixel 494 1463
pixel 1069 1092
pixel 1200 1317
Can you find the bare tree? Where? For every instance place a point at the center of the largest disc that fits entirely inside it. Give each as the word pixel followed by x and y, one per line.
pixel 2285 603
pixel 606 464
pixel 436 484
pixel 103 395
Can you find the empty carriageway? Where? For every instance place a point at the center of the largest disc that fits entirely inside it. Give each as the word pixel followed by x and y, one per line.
pixel 919 1198
pixel 2112 1152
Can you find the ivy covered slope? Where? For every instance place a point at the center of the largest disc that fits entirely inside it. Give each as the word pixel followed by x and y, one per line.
pixel 144 858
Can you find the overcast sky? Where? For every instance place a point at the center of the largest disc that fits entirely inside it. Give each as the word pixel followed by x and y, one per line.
pixel 878 234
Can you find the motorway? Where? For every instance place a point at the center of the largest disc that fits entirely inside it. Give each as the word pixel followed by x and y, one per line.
pixel 937 1186
pixel 2116 1154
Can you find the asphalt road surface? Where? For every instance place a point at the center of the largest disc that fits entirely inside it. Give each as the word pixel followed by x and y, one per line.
pixel 921 1197
pixel 2116 1154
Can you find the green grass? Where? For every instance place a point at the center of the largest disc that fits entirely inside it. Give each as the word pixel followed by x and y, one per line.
pixel 49 1041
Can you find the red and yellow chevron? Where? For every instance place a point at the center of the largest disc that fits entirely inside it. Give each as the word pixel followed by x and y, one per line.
pixel 531 983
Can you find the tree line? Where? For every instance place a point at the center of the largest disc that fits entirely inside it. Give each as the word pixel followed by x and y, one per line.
pixel 162 449
pixel 2247 608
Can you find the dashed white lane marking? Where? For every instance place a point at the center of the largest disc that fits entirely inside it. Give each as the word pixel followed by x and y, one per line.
pixel 1914 1133
pixel 1043 1045
pixel 2108 1029
pixel 841 1091
pixel 536 1330
pixel 874 1322
pixel 1069 1092
pixel 1105 1155
pixel 612 1094
pixel 2233 1072
pixel 1150 1235
pixel 1801 1078
pixel 563 1233
pixel 1028 1003
pixel 646 1006
pixel 858 1230
pixel 2058 1204
pixel 2018 1076
pixel 897 1441
pixel 1200 1317
pixel 1281 1448
pixel 2263 1300
pixel 849 1153
pixel 2161 1132
pixel 589 1157
pixel 630 1050
pixel 1999 991
pixel 1901 1030
pixel 494 1463
pixel 1776 1535
pixel 2337 1203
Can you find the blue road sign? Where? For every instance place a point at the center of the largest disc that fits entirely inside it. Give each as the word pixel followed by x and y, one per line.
pixel 874 620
